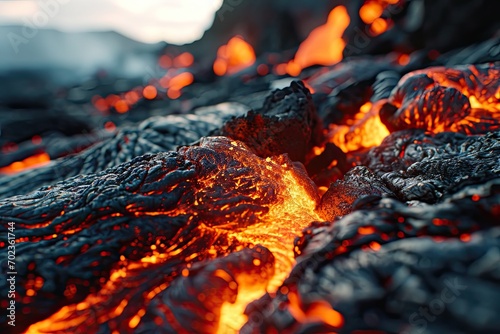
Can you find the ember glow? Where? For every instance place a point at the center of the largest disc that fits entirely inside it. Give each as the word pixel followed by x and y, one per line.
pixel 371 14
pixel 236 55
pixel 34 161
pixel 365 130
pixel 324 45
pixel 276 232
pixel 169 85
pixel 176 83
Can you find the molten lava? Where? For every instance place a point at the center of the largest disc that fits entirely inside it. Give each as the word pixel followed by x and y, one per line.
pixel 149 92
pixel 365 130
pixel 34 161
pixel 178 82
pixel 371 11
pixel 371 14
pixel 324 45
pixel 462 99
pixel 236 55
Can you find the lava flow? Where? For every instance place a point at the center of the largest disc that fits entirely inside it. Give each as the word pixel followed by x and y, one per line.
pixel 462 99
pixel 34 161
pixel 149 227
pixel 324 45
pixel 364 130
pixel 226 197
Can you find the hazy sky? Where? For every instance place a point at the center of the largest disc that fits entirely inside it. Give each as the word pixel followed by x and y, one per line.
pixel 174 21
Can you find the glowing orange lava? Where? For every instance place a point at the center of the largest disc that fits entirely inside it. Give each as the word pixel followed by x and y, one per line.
pixel 236 55
pixel 461 99
pixel 149 92
pixel 276 232
pixel 184 60
pixel 379 26
pixel 370 11
pixel 34 161
pixel 371 14
pixel 324 45
pixel 178 82
pixel 317 311
pixel 364 131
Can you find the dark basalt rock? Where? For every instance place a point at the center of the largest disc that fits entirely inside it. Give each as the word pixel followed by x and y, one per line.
pixel 357 185
pixel 154 135
pixel 345 87
pixel 416 165
pixel 330 165
pixel 413 165
pixel 286 123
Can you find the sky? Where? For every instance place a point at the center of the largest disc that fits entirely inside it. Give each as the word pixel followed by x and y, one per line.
pixel 149 21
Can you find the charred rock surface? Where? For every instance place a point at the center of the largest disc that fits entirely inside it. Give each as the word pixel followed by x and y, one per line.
pixel 420 166
pixel 358 185
pixel 154 135
pixel 286 123
pixel 478 53
pixel 394 268
pixel 328 166
pixel 340 92
pixel 413 165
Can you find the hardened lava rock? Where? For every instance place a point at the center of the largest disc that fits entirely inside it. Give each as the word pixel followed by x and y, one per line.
pixel 286 123
pixel 358 185
pixel 462 99
pixel 425 167
pixel 154 135
pixel 394 269
pixel 104 245
pixel 413 165
pixel 345 87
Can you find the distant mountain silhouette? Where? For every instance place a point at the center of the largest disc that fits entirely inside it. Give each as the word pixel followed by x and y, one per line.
pixel 81 53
